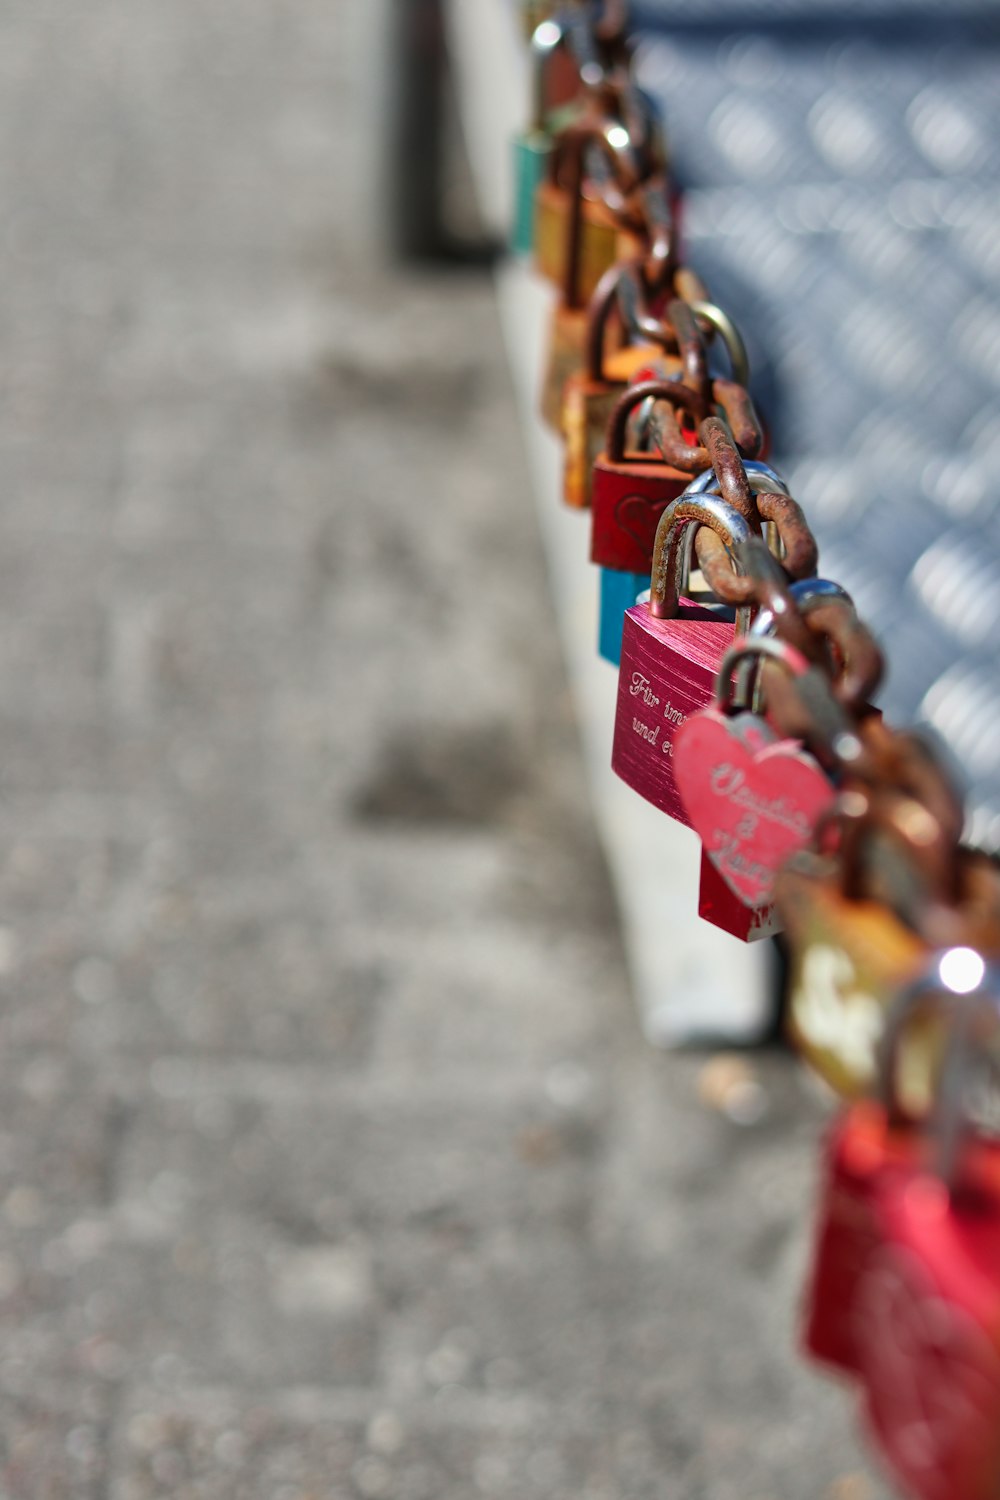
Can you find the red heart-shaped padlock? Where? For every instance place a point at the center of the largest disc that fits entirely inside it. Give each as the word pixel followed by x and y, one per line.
pixel 753 799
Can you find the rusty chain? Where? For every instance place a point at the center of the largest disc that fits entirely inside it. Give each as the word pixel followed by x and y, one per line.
pixel 701 420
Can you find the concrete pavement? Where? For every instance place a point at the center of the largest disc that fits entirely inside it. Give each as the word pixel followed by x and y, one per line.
pixel 331 1162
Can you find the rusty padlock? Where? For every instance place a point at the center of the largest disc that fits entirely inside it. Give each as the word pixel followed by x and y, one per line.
pixel 590 394
pixel 630 491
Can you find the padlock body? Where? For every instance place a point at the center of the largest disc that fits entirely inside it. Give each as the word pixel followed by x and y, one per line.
pixel 721 907
pixel 848 961
pixel 586 411
pixel 627 501
pixel 531 156
pixel 860 1156
pixel 619 592
pixel 929 1309
pixel 753 796
pixel 598 235
pixel 667 671
pixel 564 357
pixel 587 408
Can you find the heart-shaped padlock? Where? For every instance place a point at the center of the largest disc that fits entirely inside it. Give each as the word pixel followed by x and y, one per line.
pixel 753 798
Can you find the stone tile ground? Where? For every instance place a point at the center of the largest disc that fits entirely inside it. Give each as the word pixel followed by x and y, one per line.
pixel 331 1163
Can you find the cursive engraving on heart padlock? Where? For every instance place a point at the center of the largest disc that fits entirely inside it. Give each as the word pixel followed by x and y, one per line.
pixel 753 799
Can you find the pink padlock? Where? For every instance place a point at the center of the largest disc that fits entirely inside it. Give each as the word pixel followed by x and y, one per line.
pixel 753 797
pixel 671 652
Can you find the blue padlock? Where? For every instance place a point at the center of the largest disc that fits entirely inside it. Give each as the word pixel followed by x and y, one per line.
pixel 619 591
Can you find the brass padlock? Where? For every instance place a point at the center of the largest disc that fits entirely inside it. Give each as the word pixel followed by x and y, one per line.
pixel 862 919
pixel 568 330
pixel 566 195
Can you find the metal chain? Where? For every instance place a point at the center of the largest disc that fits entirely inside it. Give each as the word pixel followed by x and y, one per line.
pixel 702 421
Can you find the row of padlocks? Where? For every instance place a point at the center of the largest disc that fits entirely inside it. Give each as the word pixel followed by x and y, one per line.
pixel 745 710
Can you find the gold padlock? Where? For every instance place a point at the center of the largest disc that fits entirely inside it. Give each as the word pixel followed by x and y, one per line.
pixel 566 194
pixel 568 330
pixel 860 922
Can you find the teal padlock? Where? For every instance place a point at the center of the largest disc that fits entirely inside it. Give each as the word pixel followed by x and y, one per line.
pixel 619 591
pixel 534 145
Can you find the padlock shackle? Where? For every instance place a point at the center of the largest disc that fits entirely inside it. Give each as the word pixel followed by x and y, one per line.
pixel 570 150
pixel 620 288
pixel 660 390
pixel 807 593
pixel 671 554
pixel 761 475
pixel 739 359
pixel 547 40
pixel 599 310
pixel 955 1126
pixel 744 649
pixel 966 986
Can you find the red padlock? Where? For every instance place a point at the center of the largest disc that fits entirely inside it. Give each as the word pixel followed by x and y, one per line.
pixel 870 1146
pixel 724 909
pixel 671 651
pixel 905 1292
pixel 928 1302
pixel 861 1151
pixel 630 492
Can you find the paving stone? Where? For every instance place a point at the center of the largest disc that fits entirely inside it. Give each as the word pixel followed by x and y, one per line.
pixel 378 1162
pixel 54 1448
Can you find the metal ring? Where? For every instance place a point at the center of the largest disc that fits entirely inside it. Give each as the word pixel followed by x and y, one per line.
pixel 756 469
pixel 731 337
pixel 809 594
pixel 935 982
pixel 546 40
pixel 749 646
